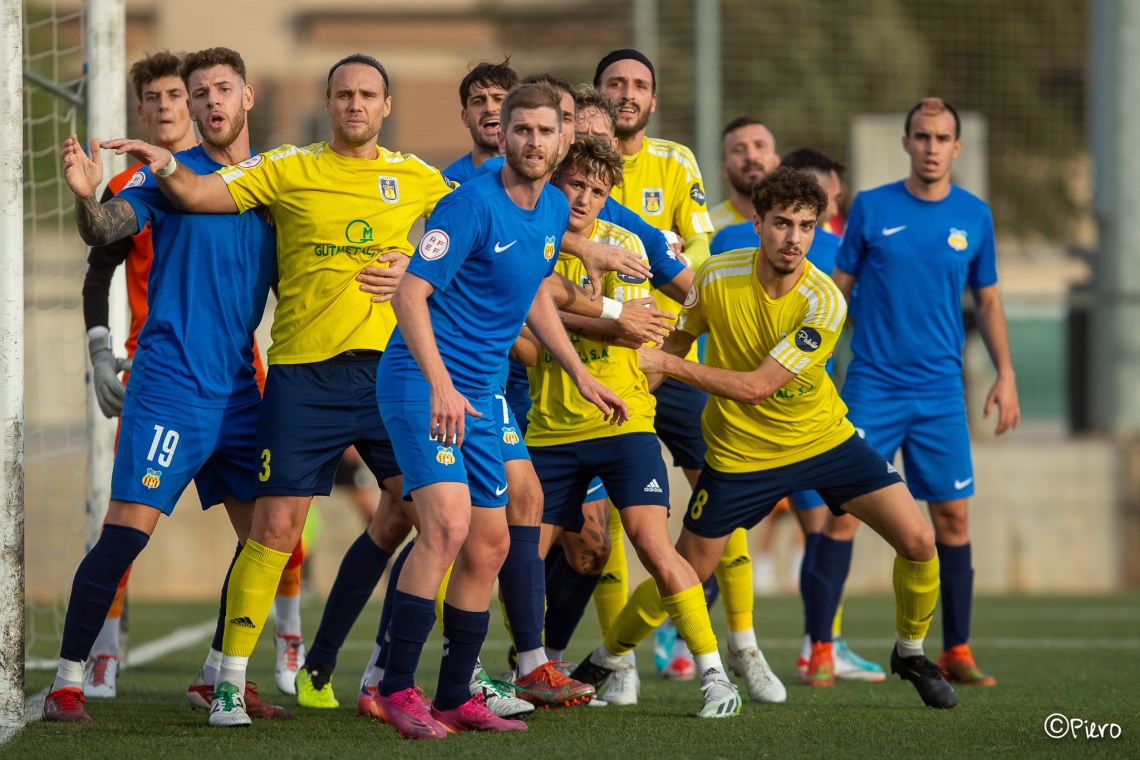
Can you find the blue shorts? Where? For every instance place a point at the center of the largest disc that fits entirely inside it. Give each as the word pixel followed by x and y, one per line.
pixel 478 462
pixel 932 433
pixel 164 444
pixel 722 501
pixel 678 422
pixel 630 466
pixel 807 499
pixel 310 414
pixel 596 490
pixel 511 444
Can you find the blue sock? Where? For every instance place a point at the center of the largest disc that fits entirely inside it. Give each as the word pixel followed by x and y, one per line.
pixel 522 582
pixel 811 545
pixel 463 636
pixel 957 577
pixel 216 644
pixel 93 589
pixel 383 635
pixel 832 563
pixel 412 619
pixel 712 590
pixel 568 594
pixel 359 572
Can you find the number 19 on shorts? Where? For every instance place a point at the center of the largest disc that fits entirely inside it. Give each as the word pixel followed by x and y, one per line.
pixel 169 443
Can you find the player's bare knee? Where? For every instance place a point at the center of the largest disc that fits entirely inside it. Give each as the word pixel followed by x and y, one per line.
pixel 918 545
pixel 390 530
pixel 587 558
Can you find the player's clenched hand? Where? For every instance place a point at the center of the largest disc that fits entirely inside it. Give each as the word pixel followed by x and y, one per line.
pixel 381 282
pixel 642 318
pixel 600 258
pixel 149 155
pixel 1004 394
pixel 611 405
pixel 81 173
pixel 448 410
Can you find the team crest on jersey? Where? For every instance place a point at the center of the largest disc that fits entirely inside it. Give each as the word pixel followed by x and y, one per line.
pixel 510 436
pixel 652 200
pixel 152 479
pixel 445 454
pixel 697 194
pixel 548 251
pixel 252 162
pixel 957 239
pixel 389 189
pixel 136 179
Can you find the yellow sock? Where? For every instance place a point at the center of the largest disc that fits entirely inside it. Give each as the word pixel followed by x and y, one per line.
pixel 734 575
pixel 638 618
pixel 691 616
pixel 441 594
pixel 916 593
pixel 612 590
pixel 253 584
pixel 837 624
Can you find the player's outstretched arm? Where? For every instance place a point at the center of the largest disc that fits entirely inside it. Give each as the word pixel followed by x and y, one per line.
pixel 448 406
pixel 995 334
pixel 526 349
pixel 599 330
pixel 678 287
pixel 639 317
pixel 600 258
pixel 202 194
pixel 98 223
pixel 746 387
pixel 547 327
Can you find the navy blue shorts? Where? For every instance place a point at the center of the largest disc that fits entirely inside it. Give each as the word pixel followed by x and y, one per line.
pixel 722 501
pixel 629 465
pixel 678 422
pixel 310 414
pixel 164 444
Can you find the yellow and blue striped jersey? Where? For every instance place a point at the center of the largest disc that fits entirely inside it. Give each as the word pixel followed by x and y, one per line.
pixel 744 325
pixel 558 413
pixel 334 216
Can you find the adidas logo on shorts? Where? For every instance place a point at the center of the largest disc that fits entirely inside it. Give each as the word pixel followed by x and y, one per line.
pixel 243 621
pixel 653 487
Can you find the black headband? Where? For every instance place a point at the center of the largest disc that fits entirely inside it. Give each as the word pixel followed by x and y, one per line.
pixel 623 55
pixel 364 58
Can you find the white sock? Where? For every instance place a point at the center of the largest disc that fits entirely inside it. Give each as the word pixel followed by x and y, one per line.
pixel 738 641
pixel 681 649
pixel 629 658
pixel 710 667
pixel 601 656
pixel 531 661
pixel 373 674
pixel 232 671
pixel 69 674
pixel 909 647
pixel 288 615
pixel 805 652
pixel 107 642
pixel 554 655
pixel 210 669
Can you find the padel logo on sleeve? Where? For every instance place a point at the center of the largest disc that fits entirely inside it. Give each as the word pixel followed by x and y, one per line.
pixel 808 339
pixel 434 245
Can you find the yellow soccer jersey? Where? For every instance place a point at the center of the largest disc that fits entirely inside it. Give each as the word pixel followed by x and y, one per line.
pixel 558 413
pixel 804 418
pixel 723 214
pixel 334 216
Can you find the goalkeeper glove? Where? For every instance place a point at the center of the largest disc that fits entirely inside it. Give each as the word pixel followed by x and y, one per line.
pixel 109 391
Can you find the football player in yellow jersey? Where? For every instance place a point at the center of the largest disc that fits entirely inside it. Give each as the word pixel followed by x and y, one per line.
pixel 776 424
pixel 748 151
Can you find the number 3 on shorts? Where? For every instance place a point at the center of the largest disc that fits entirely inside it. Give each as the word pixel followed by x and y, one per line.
pixel 265 457
pixel 699 502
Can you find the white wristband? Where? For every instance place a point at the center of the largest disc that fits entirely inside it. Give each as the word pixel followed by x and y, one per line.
pixel 611 309
pixel 167 170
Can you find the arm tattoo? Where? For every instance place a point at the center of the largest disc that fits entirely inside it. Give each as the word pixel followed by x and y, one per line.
pixel 103 223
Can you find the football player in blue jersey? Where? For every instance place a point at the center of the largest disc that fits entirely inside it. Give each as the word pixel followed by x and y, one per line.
pixel 481 94
pixel 192 404
pixel 479 275
pixel 913 247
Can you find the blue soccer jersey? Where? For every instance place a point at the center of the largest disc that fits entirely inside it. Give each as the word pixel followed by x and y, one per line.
pixel 205 294
pixel 486 258
pixel 913 260
pixel 461 170
pixel 823 251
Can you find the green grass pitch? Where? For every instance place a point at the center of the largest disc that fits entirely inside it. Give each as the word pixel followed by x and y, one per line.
pixel 1079 656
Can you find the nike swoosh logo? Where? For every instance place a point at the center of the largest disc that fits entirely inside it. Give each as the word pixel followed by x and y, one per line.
pixel 893 230
pixel 500 249
pixel 960 484
pixel 503 490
